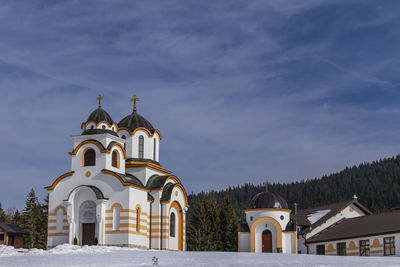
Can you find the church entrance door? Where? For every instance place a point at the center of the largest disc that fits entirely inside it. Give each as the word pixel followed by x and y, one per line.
pixel 87 218
pixel 266 241
pixel 88 234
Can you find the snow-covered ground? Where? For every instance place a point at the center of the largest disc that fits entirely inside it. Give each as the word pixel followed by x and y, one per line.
pixel 68 255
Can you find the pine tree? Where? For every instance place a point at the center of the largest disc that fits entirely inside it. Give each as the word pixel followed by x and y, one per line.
pixel 214 232
pixel 229 227
pixel 34 221
pixel 198 227
pixel 2 214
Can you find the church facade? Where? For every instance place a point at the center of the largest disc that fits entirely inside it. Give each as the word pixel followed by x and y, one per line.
pixel 117 193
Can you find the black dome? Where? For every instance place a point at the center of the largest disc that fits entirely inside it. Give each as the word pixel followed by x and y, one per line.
pixel 134 121
pixel 100 115
pixel 267 200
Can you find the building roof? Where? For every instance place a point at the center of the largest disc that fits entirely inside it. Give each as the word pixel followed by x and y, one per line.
pixel 142 160
pixel 99 115
pixel 267 200
pixel 303 216
pixel 156 181
pixel 98 131
pixel 369 225
pixel 12 229
pixel 134 120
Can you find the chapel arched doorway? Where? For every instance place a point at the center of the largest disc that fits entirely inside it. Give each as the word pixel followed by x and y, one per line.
pixel 267 241
pixel 178 221
pixel 87 220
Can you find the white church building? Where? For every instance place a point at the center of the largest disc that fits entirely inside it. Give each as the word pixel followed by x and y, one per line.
pixel 117 193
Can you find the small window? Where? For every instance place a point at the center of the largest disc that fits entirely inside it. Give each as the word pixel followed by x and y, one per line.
pixel 389 246
pixel 116 218
pixel 320 249
pixel 137 220
pixel 103 127
pixel 115 159
pixel 92 127
pixel 155 149
pixel 341 249
pixel 1 237
pixel 89 158
pixel 364 247
pixel 172 225
pixel 141 147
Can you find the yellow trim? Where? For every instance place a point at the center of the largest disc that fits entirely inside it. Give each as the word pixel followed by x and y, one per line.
pixel 143 129
pixel 124 183
pixel 184 194
pixel 126 232
pixel 330 248
pixel 50 188
pixel 50 228
pixel 65 227
pixel 376 251
pixel 158 236
pixel 96 143
pixel 122 149
pixel 129 225
pixel 56 209
pixel 376 244
pixel 136 164
pixel 52 221
pixel 57 234
pixel 352 246
pixel 159 217
pixel 178 208
pixel 268 209
pixel 253 232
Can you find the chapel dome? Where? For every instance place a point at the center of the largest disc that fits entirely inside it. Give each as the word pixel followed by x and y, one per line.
pixel 268 199
pixel 134 120
pixel 99 115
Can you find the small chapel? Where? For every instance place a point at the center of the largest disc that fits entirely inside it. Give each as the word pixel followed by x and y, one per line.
pixel 117 193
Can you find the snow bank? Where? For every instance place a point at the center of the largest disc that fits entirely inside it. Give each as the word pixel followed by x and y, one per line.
pixel 69 255
pixel 316 215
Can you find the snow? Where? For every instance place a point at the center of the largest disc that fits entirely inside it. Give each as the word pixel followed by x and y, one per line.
pixel 69 255
pixel 316 215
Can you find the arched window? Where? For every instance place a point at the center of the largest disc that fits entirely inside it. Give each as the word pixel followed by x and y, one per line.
pixel 137 220
pixel 141 146
pixel 155 149
pixel 89 158
pixel 172 225
pixel 116 217
pixel 92 127
pixel 115 159
pixel 103 127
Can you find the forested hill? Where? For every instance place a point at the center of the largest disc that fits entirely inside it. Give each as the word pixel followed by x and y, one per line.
pixel 376 184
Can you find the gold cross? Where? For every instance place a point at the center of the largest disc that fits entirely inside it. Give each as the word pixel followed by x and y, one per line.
pixel 134 100
pixel 99 98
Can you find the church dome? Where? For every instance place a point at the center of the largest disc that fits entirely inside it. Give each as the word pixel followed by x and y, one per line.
pixel 99 115
pixel 268 199
pixel 134 120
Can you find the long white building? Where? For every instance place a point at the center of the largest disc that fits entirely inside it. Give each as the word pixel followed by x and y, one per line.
pixel 117 193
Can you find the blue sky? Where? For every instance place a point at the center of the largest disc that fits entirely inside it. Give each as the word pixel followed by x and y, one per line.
pixel 242 91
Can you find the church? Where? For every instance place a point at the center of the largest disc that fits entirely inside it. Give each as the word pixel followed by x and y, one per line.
pixel 341 229
pixel 117 193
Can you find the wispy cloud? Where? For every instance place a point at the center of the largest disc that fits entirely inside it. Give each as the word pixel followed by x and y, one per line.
pixel 240 90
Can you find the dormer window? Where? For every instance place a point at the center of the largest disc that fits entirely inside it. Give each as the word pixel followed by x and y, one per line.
pixel 89 157
pixel 141 147
pixel 115 159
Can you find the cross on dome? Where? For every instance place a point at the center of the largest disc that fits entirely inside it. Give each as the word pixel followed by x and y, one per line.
pixel 99 98
pixel 134 100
